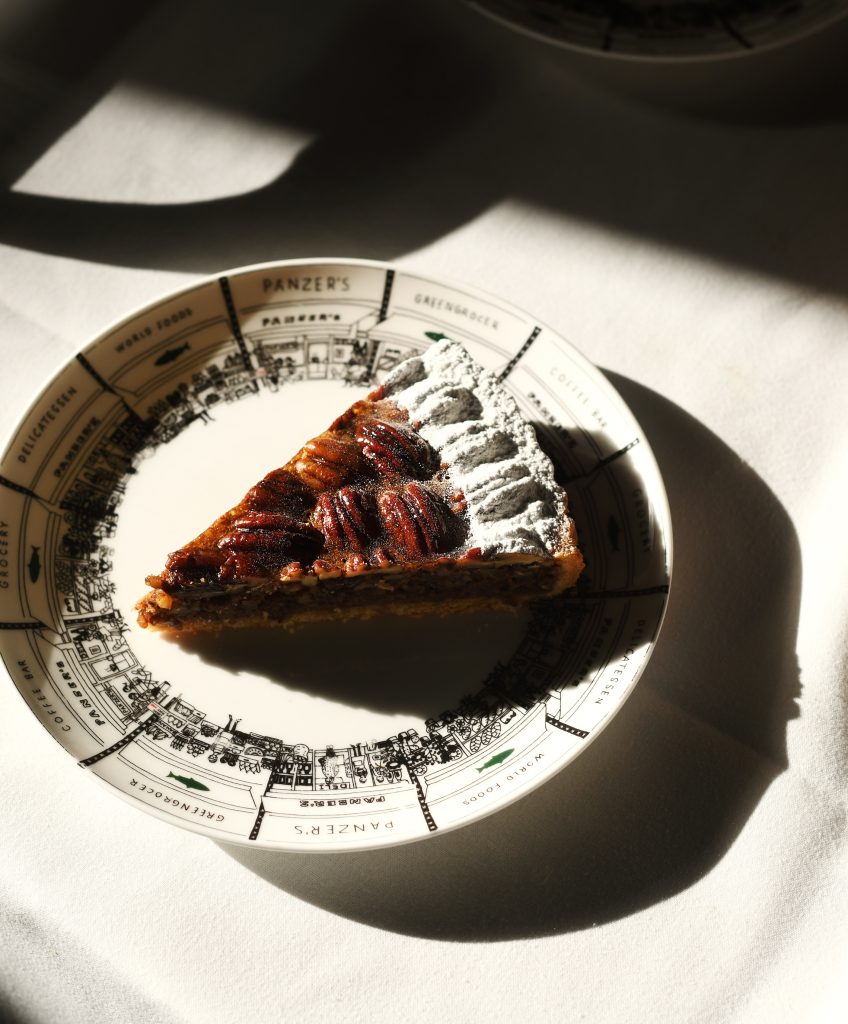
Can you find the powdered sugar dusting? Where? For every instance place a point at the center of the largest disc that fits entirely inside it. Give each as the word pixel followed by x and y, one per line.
pixel 514 504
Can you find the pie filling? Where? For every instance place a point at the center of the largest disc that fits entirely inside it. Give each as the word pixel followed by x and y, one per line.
pixel 427 589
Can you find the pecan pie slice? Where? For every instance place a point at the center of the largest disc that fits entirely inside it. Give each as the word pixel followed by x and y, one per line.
pixel 430 496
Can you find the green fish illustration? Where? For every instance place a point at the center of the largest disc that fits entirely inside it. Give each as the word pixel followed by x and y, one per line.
pixel 188 783
pixel 497 759
pixel 435 335
pixel 169 355
pixel 34 564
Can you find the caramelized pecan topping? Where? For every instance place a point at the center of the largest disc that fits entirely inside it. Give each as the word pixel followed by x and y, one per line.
pixel 345 519
pixel 416 521
pixel 327 462
pixel 394 450
pixel 337 482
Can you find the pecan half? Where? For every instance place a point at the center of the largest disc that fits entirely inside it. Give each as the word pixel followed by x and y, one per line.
pixel 185 568
pixel 345 519
pixel 394 450
pixel 271 521
pixel 381 559
pixel 243 565
pixel 262 542
pixel 430 513
pixel 271 540
pixel 327 462
pixel 197 559
pixel 355 564
pixel 278 488
pixel 416 521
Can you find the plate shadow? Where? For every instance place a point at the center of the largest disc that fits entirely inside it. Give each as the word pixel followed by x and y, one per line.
pixel 393 666
pixel 655 803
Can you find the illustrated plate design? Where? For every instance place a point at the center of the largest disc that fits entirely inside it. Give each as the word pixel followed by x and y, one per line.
pixel 341 736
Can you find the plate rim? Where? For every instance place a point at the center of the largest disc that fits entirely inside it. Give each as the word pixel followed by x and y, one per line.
pixel 678 60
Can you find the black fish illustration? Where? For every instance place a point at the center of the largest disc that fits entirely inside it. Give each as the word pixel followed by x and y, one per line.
pixel 188 783
pixel 497 759
pixel 170 354
pixel 613 532
pixel 34 564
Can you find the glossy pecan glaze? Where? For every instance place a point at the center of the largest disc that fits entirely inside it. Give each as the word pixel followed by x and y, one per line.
pixel 351 499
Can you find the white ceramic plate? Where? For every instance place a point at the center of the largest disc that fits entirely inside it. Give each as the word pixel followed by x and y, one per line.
pixel 674 30
pixel 340 737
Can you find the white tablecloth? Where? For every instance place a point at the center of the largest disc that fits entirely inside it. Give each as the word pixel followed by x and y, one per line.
pixel 691 865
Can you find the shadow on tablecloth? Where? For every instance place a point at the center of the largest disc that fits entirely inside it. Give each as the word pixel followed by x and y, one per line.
pixel 656 801
pixel 424 117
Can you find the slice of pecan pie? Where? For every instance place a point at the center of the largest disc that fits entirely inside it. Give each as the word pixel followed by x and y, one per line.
pixel 430 496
